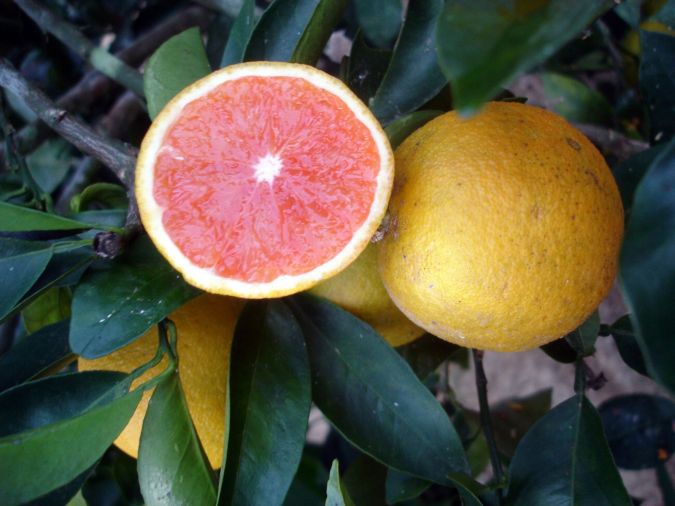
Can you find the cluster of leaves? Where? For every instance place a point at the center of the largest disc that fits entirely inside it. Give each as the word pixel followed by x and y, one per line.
pixel 397 442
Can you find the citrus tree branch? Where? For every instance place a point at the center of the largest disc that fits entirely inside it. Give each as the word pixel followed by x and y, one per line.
pixel 98 57
pixel 118 157
pixel 485 418
pixel 94 85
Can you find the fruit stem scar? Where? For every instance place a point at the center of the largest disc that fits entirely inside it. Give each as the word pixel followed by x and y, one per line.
pixel 267 168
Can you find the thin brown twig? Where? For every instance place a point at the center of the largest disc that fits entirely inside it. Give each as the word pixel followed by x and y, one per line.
pixel 119 157
pixel 94 85
pixel 611 142
pixel 485 418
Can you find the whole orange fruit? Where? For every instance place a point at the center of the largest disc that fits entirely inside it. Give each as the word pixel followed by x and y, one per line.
pixel 504 229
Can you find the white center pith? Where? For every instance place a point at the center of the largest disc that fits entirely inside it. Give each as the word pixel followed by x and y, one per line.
pixel 267 168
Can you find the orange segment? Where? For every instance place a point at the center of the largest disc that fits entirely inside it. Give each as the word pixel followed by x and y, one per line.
pixel 262 179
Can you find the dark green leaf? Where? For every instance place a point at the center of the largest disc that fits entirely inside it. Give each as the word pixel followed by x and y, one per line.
pixel 631 171
pixel 172 466
pixel 50 163
pixel 65 425
pixel 235 49
pixel 336 495
pixel 309 486
pixel 582 339
pixel 179 62
pixel 366 67
pixel 270 399
pixel 352 367
pixel 63 494
pixel 640 429
pixel 23 219
pixel 114 481
pixel 115 305
pixel 50 307
pixel 326 15
pixel 34 354
pixel 574 100
pixel 629 349
pixel 64 269
pixel 513 418
pixel 413 76
pixel 380 20
pixel 108 195
pixel 21 265
pixel 629 11
pixel 484 44
pixel 560 350
pixel 55 398
pixel 403 486
pixel 398 130
pixel 217 35
pixel 565 460
pixel 364 481
pixel 657 79
pixel 280 30
pixel 647 268
pixel 425 354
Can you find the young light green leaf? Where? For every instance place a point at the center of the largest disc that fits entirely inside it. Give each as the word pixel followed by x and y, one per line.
pixel 114 305
pixel 24 219
pixel 21 265
pixel 34 354
pixel 240 34
pixel 379 19
pixel 50 307
pixel 172 466
pixel 269 404
pixel 336 495
pixel 112 196
pixel 177 63
pixel 413 76
pixel 565 459
pixel 484 44
pixel 647 270
pixel 352 367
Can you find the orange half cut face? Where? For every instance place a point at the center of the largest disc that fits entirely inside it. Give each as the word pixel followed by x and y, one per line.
pixel 263 179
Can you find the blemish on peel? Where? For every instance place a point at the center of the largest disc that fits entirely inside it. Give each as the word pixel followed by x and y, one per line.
pixel 573 144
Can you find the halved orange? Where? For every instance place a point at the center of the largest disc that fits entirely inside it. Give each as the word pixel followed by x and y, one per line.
pixel 262 179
